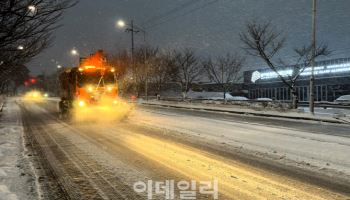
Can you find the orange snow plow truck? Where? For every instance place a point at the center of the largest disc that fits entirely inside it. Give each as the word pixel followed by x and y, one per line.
pixel 90 85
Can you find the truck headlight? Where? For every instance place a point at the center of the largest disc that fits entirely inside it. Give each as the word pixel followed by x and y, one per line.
pixel 81 103
pixel 109 88
pixel 90 89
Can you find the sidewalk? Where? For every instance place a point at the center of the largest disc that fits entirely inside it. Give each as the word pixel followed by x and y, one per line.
pixel 236 109
pixel 15 182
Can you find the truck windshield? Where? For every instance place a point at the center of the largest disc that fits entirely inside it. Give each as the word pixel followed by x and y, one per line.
pixel 94 78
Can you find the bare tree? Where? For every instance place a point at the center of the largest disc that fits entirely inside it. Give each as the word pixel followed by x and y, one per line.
pixel 264 41
pixel 26 29
pixel 13 77
pixel 144 58
pixel 224 71
pixel 189 69
pixel 25 20
pixel 162 70
pixel 121 61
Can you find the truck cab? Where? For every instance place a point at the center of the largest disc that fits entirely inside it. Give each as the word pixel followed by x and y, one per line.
pixel 88 84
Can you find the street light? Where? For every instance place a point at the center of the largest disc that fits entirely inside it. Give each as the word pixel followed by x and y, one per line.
pixel 59 66
pixel 32 9
pixel 74 52
pixel 121 23
pixel 20 47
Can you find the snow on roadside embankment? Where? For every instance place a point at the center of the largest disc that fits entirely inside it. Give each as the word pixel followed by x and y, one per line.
pixel 16 179
pixel 331 116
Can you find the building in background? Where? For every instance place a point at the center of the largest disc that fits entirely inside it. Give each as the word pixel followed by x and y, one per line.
pixel 332 79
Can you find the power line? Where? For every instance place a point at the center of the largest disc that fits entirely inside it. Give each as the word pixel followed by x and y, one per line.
pixel 341 52
pixel 169 12
pixel 183 14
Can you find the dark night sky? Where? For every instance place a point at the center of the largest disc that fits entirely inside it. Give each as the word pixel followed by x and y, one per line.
pixel 210 27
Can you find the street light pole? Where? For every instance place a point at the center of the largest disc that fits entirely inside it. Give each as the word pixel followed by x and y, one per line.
pixel 146 65
pixel 132 30
pixel 132 41
pixel 58 68
pixel 312 78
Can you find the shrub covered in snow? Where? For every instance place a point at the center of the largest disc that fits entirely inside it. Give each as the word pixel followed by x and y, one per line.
pixel 215 96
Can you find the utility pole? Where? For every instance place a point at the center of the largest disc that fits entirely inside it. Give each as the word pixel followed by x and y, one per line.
pixel 146 65
pixel 146 68
pixel 135 29
pixel 132 41
pixel 312 78
pixel 132 31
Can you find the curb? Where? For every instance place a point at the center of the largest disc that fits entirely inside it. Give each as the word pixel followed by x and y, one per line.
pixel 335 121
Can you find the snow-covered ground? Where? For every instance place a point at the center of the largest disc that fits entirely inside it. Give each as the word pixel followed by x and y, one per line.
pixel 16 181
pixel 214 96
pixel 329 111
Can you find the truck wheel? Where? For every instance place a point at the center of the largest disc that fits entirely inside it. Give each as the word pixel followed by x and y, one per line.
pixel 63 112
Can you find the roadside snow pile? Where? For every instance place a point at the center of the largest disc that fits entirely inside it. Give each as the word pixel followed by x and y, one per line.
pixel 264 99
pixel 343 99
pixel 14 182
pixel 214 96
pixel 218 97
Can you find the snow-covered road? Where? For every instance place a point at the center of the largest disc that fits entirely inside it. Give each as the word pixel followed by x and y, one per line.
pixel 288 145
pixel 251 157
